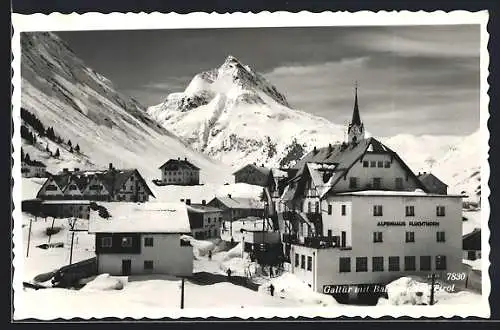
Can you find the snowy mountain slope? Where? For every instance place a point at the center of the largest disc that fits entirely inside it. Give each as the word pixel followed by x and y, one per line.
pixel 454 159
pixel 84 106
pixel 235 115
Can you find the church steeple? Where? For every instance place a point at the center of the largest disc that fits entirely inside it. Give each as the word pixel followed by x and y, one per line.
pixel 356 131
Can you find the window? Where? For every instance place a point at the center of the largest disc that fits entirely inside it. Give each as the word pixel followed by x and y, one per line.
pixel 72 187
pixel 410 211
pixel 377 237
pixel 361 264
pixel 316 207
pixel 353 183
pixel 377 210
pixel 127 242
pixel 148 264
pixel 209 219
pixel 440 262
pixel 394 264
pixel 377 183
pixel 329 233
pixel 440 211
pixel 410 237
pixel 309 263
pixel 410 263
pixel 51 187
pixel 425 262
pixel 185 242
pixel 148 241
pixel 399 183
pixel 440 236
pixel 378 264
pixel 343 210
pixel 309 207
pixel 380 163
pixel 373 163
pixel 303 261
pixel 365 163
pixel 220 219
pixel 106 242
pixel 329 209
pixel 387 164
pixel 296 260
pixel 344 264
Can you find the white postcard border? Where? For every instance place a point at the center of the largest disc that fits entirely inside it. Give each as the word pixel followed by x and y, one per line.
pixel 130 21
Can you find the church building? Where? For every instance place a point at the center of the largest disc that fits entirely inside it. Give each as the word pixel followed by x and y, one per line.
pixel 355 214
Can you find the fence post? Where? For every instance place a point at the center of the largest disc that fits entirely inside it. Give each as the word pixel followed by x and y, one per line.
pixel 182 293
pixel 29 238
pixel 433 281
pixel 71 249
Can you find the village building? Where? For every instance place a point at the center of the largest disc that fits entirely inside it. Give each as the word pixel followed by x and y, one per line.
pixel 33 168
pixel 102 185
pixel 146 238
pixel 205 221
pixel 433 184
pixel 355 214
pixel 65 209
pixel 179 172
pixel 234 208
pixel 270 178
pixel 471 245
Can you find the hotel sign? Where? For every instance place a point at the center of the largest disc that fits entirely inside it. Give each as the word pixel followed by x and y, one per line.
pixel 411 223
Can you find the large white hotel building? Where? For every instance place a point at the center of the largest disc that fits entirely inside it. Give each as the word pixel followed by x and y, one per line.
pixel 355 214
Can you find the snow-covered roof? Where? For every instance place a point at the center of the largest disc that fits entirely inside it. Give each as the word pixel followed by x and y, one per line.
pixel 151 217
pixel 200 208
pixel 240 203
pixel 73 201
pixel 393 193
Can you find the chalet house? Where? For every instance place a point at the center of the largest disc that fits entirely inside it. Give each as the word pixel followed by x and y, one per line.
pixel 471 245
pixel 433 184
pixel 179 172
pixel 254 175
pixel 205 221
pixel 146 238
pixel 103 185
pixel 234 208
pixel 355 214
pixel 33 168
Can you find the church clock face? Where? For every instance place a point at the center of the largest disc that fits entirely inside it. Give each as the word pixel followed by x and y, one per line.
pixel 355 130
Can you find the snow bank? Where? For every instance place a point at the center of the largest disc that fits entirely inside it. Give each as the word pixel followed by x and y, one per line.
pixel 235 252
pixel 475 264
pixel 104 282
pixel 200 248
pixel 289 287
pixel 407 291
pixel 412 291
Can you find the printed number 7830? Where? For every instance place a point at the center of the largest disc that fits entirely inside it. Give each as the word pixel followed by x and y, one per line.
pixel 455 276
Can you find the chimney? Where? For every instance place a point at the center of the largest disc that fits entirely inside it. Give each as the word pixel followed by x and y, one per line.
pixel 178 158
pixel 203 202
pixel 185 159
pixel 261 165
pixel 182 200
pixel 65 170
pixel 315 150
pixel 77 169
pixel 188 201
pixel 110 166
pixel 419 173
pixel 229 195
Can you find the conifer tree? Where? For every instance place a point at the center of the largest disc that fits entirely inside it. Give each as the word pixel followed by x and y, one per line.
pixel 77 148
pixel 22 154
pixel 69 143
pixel 47 148
pixel 57 154
pixel 27 158
pixel 71 149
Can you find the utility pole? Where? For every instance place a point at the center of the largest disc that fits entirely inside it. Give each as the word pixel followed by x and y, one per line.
pixel 51 229
pixel 182 293
pixel 29 238
pixel 433 282
pixel 71 249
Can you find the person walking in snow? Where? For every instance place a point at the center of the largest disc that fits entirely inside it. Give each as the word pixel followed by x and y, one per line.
pixel 229 274
pixel 210 255
pixel 271 289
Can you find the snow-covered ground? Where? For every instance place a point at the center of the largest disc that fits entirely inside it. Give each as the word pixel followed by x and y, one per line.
pixel 415 291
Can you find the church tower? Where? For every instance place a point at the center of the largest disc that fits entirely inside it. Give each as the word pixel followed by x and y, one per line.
pixel 356 130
